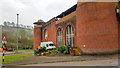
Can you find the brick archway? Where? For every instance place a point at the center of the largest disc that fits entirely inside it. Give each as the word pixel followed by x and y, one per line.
pixel 59 37
pixel 70 34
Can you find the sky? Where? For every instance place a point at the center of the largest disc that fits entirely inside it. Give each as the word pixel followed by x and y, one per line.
pixel 32 10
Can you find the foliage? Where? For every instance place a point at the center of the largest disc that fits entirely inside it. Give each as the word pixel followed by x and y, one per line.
pixel 36 52
pixel 49 52
pixel 60 49
pixel 65 52
pixel 43 49
pixel 63 49
pixel 54 52
pixel 25 38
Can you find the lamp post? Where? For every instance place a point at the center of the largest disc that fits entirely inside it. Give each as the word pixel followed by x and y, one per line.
pixel 17 31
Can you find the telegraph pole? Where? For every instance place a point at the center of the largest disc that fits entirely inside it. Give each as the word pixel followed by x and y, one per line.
pixel 17 31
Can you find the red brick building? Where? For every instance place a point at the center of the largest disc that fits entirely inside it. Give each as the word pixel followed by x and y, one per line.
pixel 92 27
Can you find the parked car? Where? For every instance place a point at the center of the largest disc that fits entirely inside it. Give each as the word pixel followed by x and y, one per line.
pixel 10 49
pixel 48 45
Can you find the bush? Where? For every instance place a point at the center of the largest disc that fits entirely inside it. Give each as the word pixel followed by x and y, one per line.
pixel 59 49
pixel 54 52
pixel 49 52
pixel 62 49
pixel 36 52
pixel 43 49
pixel 65 52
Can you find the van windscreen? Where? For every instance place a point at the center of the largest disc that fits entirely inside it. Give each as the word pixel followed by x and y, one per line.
pixel 51 45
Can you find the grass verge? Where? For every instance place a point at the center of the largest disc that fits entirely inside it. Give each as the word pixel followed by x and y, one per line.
pixel 14 58
pixel 23 50
pixel 26 50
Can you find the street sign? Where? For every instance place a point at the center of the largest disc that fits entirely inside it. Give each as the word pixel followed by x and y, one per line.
pixel 4 39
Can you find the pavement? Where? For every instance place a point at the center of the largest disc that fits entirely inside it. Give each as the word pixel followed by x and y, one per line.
pixel 110 62
pixel 76 60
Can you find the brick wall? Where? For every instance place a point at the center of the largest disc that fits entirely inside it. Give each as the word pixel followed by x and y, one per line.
pixel 97 27
pixel 53 26
pixel 37 37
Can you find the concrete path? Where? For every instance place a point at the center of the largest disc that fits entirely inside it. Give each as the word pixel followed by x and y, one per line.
pixel 110 62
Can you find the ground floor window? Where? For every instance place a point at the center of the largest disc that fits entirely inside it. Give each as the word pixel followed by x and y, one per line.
pixel 59 37
pixel 70 36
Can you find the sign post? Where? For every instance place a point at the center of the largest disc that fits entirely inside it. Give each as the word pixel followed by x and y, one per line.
pixel 4 41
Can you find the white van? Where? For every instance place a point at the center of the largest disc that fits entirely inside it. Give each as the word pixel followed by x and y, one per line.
pixel 48 45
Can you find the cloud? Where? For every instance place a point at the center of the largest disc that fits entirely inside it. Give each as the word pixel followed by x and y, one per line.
pixel 32 10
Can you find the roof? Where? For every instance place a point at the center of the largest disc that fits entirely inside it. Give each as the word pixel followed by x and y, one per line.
pixel 70 10
pixel 65 13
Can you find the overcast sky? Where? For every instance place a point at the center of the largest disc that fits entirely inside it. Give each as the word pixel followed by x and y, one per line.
pixel 32 10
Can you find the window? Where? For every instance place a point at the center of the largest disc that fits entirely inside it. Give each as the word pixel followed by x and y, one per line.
pixel 70 35
pixel 59 37
pixel 45 34
pixel 117 10
pixel 51 45
pixel 46 45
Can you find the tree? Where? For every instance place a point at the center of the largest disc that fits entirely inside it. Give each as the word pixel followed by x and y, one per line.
pixel 13 24
pixel 8 23
pixel 5 23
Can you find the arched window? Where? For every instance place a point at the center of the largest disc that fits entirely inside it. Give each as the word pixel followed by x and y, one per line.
pixel 59 37
pixel 70 35
pixel 45 34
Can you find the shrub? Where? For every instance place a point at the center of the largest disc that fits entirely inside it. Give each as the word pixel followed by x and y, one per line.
pixel 54 52
pixel 63 49
pixel 60 49
pixel 49 52
pixel 43 49
pixel 36 52
pixel 65 52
